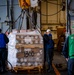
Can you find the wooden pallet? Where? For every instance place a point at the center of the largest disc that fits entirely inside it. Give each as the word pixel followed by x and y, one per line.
pixel 20 68
pixel 29 45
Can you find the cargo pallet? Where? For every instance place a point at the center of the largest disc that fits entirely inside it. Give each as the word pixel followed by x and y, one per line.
pixel 23 68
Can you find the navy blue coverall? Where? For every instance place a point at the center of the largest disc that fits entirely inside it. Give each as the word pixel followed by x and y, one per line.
pixel 3 52
pixel 48 49
pixel 70 60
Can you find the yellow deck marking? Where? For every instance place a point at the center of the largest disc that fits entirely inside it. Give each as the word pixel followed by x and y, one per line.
pixel 56 70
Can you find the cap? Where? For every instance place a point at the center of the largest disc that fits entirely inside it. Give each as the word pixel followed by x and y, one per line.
pixel 48 30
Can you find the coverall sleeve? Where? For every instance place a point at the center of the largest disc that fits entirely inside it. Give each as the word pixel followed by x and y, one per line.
pixel 6 39
pixel 65 48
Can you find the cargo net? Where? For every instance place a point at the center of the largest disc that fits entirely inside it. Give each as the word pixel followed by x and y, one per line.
pixel 25 48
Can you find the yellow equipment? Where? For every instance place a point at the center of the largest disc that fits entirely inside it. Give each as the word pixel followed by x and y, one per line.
pixel 24 4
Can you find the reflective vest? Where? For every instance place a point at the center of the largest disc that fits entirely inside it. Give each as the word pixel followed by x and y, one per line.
pixel 24 4
pixel 71 46
pixel 2 41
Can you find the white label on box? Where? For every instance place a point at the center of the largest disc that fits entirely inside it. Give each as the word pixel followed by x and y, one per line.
pixel 28 40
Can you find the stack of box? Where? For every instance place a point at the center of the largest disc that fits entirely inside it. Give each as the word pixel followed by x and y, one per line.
pixel 25 50
pixel 29 50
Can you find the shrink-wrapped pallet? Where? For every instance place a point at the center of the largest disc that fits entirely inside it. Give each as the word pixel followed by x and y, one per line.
pixel 25 49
